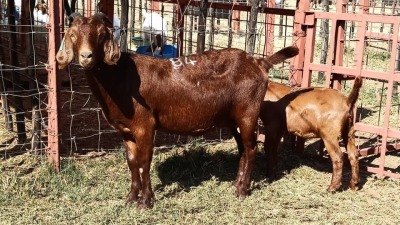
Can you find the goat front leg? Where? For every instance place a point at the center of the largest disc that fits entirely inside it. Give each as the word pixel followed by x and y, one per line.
pixel 336 155
pixel 145 146
pixel 242 182
pixel 131 158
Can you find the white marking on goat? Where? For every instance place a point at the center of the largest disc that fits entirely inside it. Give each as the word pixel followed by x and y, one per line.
pixel 130 156
pixel 176 63
pixel 190 62
pixel 140 170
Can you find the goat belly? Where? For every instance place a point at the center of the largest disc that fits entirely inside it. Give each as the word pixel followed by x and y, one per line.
pixel 189 124
pixel 301 122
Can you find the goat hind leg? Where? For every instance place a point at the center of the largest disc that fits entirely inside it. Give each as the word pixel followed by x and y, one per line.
pixel 353 154
pixel 238 139
pixel 336 155
pixel 242 182
pixel 271 144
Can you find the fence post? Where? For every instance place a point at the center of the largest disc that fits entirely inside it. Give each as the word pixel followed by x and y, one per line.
pixel 201 28
pixel 299 37
pixel 269 28
pixel 56 23
pixel 124 25
pixel 180 22
pixel 252 23
pixel 324 33
pixel 19 108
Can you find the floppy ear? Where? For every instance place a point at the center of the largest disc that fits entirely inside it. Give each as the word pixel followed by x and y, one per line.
pixel 111 50
pixel 66 52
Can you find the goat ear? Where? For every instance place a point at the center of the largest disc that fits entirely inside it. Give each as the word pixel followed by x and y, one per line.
pixel 66 52
pixel 111 50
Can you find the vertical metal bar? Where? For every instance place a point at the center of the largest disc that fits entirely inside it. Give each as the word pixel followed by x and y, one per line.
pixel 190 34
pixel 324 34
pixel 16 79
pixel 269 30
pixel 340 33
pixel 88 7
pixel 299 37
pixel 124 25
pixel 251 24
pixel 331 52
pixel 56 23
pixel 180 19
pixel 236 19
pixel 201 28
pixel 308 55
pixel 381 170
pixel 211 29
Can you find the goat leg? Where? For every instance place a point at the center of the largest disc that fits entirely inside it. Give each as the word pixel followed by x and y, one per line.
pixel 353 155
pixel 145 146
pixel 336 155
pixel 131 154
pixel 242 182
pixel 271 145
pixel 238 139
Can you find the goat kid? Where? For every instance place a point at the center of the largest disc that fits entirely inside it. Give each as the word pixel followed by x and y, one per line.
pixel 189 95
pixel 310 113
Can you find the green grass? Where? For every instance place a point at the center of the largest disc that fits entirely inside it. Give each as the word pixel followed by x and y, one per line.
pixel 192 185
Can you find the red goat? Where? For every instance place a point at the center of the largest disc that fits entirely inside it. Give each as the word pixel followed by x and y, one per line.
pixel 310 113
pixel 188 95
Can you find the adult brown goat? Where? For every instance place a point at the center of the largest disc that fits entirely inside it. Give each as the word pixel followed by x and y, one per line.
pixel 309 113
pixel 188 95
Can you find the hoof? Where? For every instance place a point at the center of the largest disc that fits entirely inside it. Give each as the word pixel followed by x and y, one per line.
pixel 235 183
pixel 354 186
pixel 131 198
pixel 241 193
pixel 145 204
pixel 332 188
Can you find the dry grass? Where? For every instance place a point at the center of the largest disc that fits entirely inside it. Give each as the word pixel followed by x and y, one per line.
pixel 192 186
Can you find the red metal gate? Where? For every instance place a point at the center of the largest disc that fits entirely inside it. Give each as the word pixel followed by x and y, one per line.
pixel 335 71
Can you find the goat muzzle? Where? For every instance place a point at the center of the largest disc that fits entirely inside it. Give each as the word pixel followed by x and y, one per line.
pixel 86 59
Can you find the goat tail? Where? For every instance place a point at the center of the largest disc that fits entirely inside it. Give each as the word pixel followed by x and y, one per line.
pixel 353 96
pixel 279 56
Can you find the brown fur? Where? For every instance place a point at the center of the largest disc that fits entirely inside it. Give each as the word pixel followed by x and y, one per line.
pixel 189 96
pixel 310 113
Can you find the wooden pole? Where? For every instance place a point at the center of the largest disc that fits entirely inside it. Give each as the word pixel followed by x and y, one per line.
pixel 251 24
pixel 19 109
pixel 201 35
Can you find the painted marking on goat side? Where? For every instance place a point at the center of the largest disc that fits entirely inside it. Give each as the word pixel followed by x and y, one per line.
pixel 177 62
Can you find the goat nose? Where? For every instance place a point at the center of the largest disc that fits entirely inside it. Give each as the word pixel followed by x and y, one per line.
pixel 86 55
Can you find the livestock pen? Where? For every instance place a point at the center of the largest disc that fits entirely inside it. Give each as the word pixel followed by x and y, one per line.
pixel 335 48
